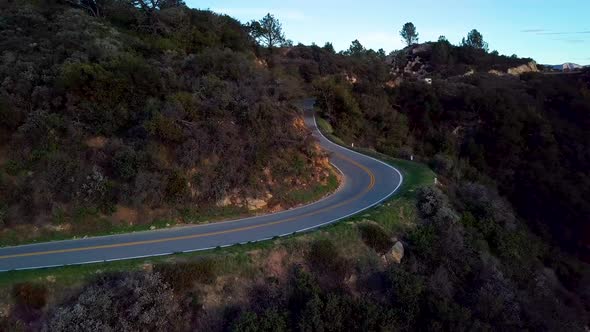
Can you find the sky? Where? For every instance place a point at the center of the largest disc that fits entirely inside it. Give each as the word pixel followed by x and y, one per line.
pixel 549 31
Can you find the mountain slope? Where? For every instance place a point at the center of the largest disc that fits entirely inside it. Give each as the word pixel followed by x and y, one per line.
pixel 138 116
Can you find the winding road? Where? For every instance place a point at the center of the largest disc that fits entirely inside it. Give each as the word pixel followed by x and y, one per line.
pixel 367 182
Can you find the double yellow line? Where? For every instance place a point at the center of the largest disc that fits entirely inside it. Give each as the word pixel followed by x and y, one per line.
pixel 195 236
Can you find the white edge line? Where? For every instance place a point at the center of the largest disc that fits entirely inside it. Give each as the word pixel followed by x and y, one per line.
pixel 258 240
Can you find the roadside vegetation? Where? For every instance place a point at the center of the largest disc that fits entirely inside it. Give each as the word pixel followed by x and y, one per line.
pixel 199 278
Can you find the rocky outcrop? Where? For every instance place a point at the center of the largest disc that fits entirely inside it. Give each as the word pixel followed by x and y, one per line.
pixel 226 201
pixel 256 203
pixel 469 73
pixel 530 67
pixel 396 254
pixel 351 78
pixel 411 62
pixel 394 83
pixel 251 203
pixel 261 63
pixel 415 67
pixel 496 72
pixel 97 142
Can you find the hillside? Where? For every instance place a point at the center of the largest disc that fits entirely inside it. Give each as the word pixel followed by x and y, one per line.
pixel 113 122
pixel 486 117
pixel 166 111
pixel 490 126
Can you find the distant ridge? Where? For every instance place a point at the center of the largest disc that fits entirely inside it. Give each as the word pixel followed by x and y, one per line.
pixel 568 66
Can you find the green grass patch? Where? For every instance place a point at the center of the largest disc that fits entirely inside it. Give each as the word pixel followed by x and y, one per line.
pixel 324 126
pixel 212 214
pixel 314 193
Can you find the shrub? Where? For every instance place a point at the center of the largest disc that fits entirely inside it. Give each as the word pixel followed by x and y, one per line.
pixel 3 212
pixel 82 76
pixel 430 201
pixel 485 203
pixel 375 237
pixel 405 292
pixel 182 276
pixel 95 187
pixel 328 265
pixel 30 295
pixel 120 302
pixel 442 164
pixel 323 255
pixel 177 187
pixel 271 320
pixel 125 163
pixel 422 238
pixel 167 129
pixel 9 117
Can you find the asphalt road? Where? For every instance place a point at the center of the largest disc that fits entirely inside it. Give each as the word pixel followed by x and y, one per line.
pixel 367 182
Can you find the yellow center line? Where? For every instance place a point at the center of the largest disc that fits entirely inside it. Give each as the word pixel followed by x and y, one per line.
pixel 195 236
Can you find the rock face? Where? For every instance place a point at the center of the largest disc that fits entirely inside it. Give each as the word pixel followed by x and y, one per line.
pixel 97 142
pixel 251 203
pixel 255 203
pixel 469 73
pixel 226 201
pixel 530 67
pixel 396 254
pixel 351 79
pixel 496 72
pixel 415 67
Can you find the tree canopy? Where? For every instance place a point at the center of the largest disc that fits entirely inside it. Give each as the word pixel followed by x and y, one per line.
pixel 475 40
pixel 409 33
pixel 268 32
pixel 356 48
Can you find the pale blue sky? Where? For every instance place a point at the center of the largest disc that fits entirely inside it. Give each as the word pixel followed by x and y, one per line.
pixel 550 31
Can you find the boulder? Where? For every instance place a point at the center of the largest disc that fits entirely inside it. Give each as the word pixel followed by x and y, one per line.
pixel 396 254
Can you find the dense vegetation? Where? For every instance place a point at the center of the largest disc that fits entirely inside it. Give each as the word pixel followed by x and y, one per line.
pixel 148 109
pixel 528 135
pixel 469 268
pixel 480 129
pixel 469 265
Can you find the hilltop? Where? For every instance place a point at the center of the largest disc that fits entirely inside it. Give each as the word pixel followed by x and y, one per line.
pixel 443 60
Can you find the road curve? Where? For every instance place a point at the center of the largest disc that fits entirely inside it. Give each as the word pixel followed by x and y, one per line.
pixel 367 182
